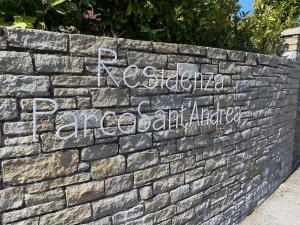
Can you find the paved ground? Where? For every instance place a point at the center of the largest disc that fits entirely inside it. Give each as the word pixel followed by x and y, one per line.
pixel 282 208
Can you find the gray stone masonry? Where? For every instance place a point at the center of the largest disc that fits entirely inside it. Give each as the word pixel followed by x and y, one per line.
pixel 207 174
pixel 291 38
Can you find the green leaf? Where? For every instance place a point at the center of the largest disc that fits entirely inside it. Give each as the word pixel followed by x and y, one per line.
pixel 42 25
pixel 70 6
pixel 29 19
pixel 57 2
pixel 129 9
pixel 60 10
pixel 18 19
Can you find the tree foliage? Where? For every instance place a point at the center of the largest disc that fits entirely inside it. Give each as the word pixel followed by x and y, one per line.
pixel 217 23
pixel 269 19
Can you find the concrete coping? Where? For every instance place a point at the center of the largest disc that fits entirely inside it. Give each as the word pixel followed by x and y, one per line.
pixel 291 32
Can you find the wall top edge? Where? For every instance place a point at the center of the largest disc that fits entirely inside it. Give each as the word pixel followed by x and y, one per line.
pixel 171 48
pixel 291 32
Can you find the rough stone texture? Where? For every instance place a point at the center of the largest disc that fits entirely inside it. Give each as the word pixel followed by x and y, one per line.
pixel 128 215
pixel 86 192
pixel 11 198
pixel 24 86
pixel 43 197
pixel 135 142
pixel 106 97
pixel 108 167
pixel 8 109
pixel 142 160
pixel 58 64
pixel 115 204
pixel 52 143
pixel 99 151
pixel 118 184
pixel 32 211
pixel 88 45
pixel 26 170
pixel 21 150
pixel 201 174
pixel 291 38
pixel 146 59
pixel 36 39
pixel 73 215
pixel 15 62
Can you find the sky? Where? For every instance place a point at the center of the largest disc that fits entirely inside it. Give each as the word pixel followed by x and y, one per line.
pixel 247 5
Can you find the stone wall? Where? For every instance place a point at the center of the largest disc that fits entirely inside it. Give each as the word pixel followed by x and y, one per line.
pixel 291 38
pixel 201 174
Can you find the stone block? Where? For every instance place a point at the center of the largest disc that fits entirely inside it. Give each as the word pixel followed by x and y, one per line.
pixel 26 127
pixel 142 59
pixel 59 182
pixel 71 92
pixel 192 49
pixel 194 174
pixel 146 192
pixel 268 60
pixel 113 205
pixel 209 68
pixel 164 214
pixel 52 143
pixel 82 193
pixel 216 53
pixel 236 56
pixel 24 86
pixel 27 170
pixel 227 67
pixel 164 48
pixel 243 86
pixel 157 203
pixel 15 62
pixel 103 221
pixel 135 44
pixel 99 151
pixel 185 144
pixel 108 167
pixel 31 221
pixel 131 214
pixel 89 117
pixel 135 142
pixel 142 160
pixel 32 211
pixel 182 165
pixel 74 215
pixel 63 103
pixel 118 184
pixel 8 109
pixel 74 81
pixel 184 217
pixel 107 97
pixel 180 193
pixel 187 203
pixel 11 198
pixel 58 64
pixel 168 183
pixel 89 45
pixel 166 102
pixel 150 174
pixel 37 40
pixel 44 197
pixel 18 151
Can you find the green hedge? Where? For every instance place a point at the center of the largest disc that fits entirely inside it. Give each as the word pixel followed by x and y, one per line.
pixel 216 23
